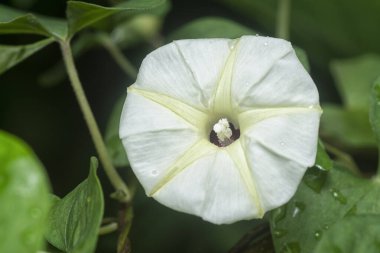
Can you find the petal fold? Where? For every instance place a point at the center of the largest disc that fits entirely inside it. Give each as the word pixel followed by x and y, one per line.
pixel 268 74
pixel 212 188
pixel 187 70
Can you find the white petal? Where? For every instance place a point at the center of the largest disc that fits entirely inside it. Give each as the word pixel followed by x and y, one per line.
pixel 152 154
pixel 277 177
pixel 212 188
pixel 267 73
pixel 292 136
pixel 153 137
pixel 141 115
pixel 279 150
pixel 187 70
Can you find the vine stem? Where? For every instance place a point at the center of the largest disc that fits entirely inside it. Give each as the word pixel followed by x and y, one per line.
pixel 109 228
pixel 122 191
pixel 118 55
pixel 283 19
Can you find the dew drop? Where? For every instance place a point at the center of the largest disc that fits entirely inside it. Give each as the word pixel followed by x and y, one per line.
pixel 278 214
pixel 299 207
pixel 291 247
pixel 282 143
pixel 257 35
pixel 265 43
pixel 337 195
pixel 315 178
pixel 326 227
pixel 154 172
pixel 231 44
pixel 318 234
pixel 278 233
pixel 88 199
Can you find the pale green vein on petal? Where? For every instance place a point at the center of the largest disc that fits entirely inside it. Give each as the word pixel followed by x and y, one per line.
pixel 195 117
pixel 222 97
pixel 249 118
pixel 237 154
pixel 201 148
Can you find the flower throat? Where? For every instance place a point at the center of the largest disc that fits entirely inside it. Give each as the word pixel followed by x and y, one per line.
pixel 223 133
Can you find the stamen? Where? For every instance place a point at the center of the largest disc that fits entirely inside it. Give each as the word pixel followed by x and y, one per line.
pixel 223 130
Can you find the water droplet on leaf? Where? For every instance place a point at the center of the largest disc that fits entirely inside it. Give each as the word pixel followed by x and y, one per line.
pixel 318 234
pixel 315 177
pixel 265 43
pixel 278 214
pixel 299 207
pixel 337 195
pixel 278 233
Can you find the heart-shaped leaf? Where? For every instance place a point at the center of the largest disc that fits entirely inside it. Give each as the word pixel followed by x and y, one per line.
pixel 15 21
pixel 74 221
pixel 12 55
pixel 81 14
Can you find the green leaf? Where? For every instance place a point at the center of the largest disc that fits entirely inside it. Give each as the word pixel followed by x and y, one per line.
pixel 323 160
pixel 15 21
pixel 74 221
pixel 113 143
pixel 24 197
pixel 347 31
pixel 12 55
pixel 374 109
pixel 211 27
pixel 359 234
pixel 348 125
pixel 347 128
pixel 354 78
pixel 81 14
pixel 313 210
pixel 302 56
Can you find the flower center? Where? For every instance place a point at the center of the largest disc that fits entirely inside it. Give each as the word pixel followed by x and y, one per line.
pixel 224 133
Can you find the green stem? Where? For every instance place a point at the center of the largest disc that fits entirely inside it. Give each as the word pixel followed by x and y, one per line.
pixel 345 158
pixel 109 228
pixel 119 185
pixel 118 55
pixel 283 19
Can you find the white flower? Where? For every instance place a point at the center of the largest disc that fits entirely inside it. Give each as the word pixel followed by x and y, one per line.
pixel 251 97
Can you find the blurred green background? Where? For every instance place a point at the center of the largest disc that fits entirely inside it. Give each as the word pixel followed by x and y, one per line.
pixel 335 35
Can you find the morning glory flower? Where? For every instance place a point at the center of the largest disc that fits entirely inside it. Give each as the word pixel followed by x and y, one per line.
pixel 222 129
